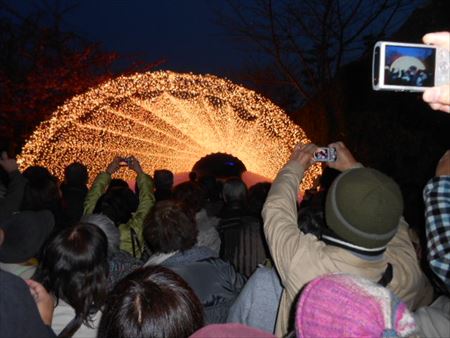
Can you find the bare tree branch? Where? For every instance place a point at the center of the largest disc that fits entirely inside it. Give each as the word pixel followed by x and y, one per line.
pixel 309 40
pixel 278 58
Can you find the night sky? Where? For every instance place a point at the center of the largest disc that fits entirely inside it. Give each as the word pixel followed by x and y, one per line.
pixel 183 33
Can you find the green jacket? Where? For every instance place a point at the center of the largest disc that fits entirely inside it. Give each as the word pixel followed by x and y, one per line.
pixel 146 202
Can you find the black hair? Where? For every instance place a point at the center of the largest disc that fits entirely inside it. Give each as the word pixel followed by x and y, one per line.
pixel 116 183
pixel 212 187
pixel 163 181
pixel 41 191
pixel 74 267
pixel 168 227
pixel 151 302
pixel 257 195
pixel 191 194
pixel 311 221
pixel 235 191
pixel 76 175
pixel 118 204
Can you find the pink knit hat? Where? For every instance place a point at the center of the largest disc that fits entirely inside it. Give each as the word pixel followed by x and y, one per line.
pixel 230 330
pixel 343 305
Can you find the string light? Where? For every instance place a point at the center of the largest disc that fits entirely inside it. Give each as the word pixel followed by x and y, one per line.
pixel 166 120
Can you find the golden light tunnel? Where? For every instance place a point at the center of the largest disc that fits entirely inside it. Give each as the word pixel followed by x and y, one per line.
pixel 167 120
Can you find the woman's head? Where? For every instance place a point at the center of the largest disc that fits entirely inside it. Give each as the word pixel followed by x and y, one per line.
pixel 74 267
pixel 168 228
pixel 151 302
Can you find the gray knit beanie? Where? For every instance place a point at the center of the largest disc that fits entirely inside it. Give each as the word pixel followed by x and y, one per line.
pixel 363 207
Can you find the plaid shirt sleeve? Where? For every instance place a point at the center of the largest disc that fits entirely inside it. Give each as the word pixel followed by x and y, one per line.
pixel 436 195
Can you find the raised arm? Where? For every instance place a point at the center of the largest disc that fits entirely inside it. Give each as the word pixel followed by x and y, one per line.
pixel 280 210
pixel 99 186
pixel 146 203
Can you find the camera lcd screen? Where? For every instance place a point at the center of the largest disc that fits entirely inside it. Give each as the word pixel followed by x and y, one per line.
pixel 409 66
pixel 321 154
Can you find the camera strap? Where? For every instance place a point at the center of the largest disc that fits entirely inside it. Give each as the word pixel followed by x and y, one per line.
pixel 135 242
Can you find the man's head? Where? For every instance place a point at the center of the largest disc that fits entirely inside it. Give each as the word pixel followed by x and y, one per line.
pixel 363 208
pixel 169 228
pixel 163 179
pixel 76 174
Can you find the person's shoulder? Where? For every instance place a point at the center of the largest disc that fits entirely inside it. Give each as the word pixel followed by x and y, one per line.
pixel 312 249
pixel 9 282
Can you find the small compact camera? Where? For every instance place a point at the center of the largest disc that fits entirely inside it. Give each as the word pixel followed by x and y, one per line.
pixel 408 66
pixel 125 161
pixel 325 154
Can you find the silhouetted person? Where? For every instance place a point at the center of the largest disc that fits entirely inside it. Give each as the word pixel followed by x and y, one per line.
pixel 163 179
pixel 74 190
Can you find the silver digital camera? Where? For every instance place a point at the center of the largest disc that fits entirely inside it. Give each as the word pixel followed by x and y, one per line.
pixel 408 66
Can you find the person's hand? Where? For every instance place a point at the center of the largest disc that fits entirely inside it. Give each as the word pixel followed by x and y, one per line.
pixel 9 164
pixel 344 158
pixel 135 165
pixel 438 97
pixel 113 166
pixel 303 153
pixel 443 166
pixel 44 301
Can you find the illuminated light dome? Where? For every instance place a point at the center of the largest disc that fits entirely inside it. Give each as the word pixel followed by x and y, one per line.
pixel 167 120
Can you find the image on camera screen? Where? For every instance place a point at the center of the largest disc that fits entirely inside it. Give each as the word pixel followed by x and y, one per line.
pixel 409 66
pixel 321 154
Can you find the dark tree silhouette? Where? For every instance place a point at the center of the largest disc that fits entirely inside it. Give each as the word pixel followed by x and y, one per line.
pixel 306 42
pixel 41 66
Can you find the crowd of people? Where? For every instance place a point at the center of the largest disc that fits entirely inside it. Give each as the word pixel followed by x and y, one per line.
pixel 211 257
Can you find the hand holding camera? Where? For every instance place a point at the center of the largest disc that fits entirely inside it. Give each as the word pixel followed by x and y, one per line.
pixel 409 67
pixel 336 155
pixel 303 153
pixel 439 97
pixel 415 68
pixel 134 164
pixel 114 165
pixel 130 162
pixel 344 158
